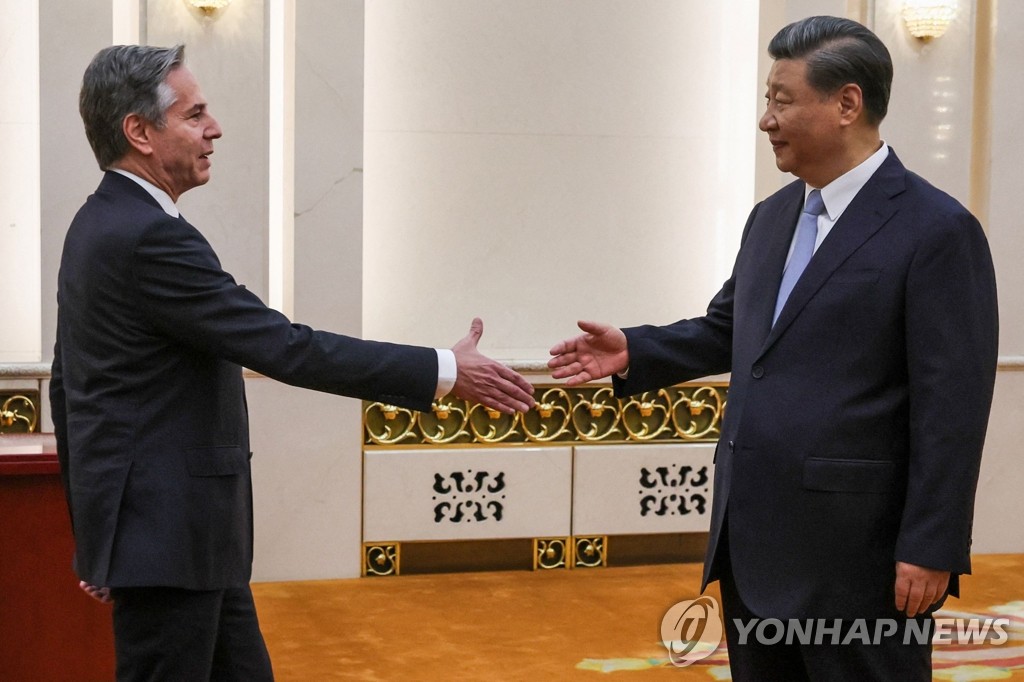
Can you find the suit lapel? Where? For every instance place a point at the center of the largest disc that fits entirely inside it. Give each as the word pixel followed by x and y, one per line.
pixel 767 273
pixel 867 213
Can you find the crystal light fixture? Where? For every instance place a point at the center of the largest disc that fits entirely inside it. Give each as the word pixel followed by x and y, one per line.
pixel 927 19
pixel 209 6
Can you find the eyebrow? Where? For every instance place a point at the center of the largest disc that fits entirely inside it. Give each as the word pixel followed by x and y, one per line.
pixel 197 108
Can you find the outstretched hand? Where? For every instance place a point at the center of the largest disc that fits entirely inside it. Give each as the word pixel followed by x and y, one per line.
pixel 486 381
pixel 599 352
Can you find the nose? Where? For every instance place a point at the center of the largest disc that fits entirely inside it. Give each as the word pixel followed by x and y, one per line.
pixel 767 122
pixel 213 130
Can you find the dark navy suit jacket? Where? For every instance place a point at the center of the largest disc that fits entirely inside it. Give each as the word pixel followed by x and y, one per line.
pixel 854 428
pixel 148 399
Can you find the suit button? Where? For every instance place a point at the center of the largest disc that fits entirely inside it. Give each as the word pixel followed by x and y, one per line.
pixel 758 371
pixel 732 446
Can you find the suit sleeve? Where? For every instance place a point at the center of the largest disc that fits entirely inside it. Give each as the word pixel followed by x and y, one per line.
pixel 187 296
pixel 682 351
pixel 58 412
pixel 951 338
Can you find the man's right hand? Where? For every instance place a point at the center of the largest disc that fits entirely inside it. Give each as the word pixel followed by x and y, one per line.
pixel 599 352
pixel 100 594
pixel 488 382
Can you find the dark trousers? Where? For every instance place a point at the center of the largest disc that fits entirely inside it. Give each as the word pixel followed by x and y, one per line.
pixel 885 661
pixel 170 634
pixel 858 661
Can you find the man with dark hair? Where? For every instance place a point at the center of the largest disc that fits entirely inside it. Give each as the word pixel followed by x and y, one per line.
pixel 860 327
pixel 147 393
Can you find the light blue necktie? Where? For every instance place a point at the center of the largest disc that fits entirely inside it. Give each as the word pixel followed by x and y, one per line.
pixel 803 249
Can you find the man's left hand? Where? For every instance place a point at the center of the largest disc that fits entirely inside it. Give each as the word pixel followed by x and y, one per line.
pixel 917 588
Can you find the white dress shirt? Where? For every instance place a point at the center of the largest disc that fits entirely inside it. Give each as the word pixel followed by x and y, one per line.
pixel 838 194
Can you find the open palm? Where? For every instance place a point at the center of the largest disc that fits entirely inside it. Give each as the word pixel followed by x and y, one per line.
pixel 599 352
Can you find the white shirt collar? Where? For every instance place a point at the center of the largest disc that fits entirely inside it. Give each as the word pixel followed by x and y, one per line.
pixel 838 194
pixel 162 197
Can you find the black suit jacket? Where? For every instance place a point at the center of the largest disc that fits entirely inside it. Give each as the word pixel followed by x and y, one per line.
pixel 854 428
pixel 148 398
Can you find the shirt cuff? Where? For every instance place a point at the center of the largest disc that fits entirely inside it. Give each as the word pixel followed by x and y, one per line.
pixel 447 372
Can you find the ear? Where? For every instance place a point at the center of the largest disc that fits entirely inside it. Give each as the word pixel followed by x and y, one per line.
pixel 851 104
pixel 136 130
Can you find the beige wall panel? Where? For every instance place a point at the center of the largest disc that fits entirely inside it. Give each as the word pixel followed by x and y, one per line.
pixel 1000 504
pixel 306 482
pixel 1007 180
pixel 70 33
pixel 931 107
pixel 227 56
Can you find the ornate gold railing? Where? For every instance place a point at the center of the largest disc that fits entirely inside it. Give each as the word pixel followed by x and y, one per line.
pixel 585 414
pixel 19 412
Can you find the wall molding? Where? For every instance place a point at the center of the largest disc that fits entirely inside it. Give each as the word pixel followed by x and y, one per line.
pixel 41 370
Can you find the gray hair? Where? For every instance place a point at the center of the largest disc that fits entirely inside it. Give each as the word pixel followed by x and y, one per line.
pixel 123 80
pixel 838 52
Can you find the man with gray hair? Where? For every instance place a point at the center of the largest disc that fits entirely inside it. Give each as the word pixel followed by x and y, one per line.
pixel 147 392
pixel 860 327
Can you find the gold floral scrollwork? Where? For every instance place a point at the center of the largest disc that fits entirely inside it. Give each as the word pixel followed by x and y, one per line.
pixel 491 426
pixel 590 552
pixel 549 417
pixel 381 559
pixel 647 417
pixel 596 418
pixel 18 414
pixel 389 424
pixel 697 415
pixel 445 422
pixel 550 553
pixel 583 414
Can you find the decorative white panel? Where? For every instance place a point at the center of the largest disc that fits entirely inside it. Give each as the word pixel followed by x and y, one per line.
pixel 637 489
pixel 466 494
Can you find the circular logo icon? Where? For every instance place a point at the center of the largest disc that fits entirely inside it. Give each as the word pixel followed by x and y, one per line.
pixel 691 630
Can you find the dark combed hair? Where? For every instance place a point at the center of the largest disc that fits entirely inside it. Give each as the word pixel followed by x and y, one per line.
pixel 122 80
pixel 839 51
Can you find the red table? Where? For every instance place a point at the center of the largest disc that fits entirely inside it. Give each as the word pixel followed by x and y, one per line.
pixel 49 629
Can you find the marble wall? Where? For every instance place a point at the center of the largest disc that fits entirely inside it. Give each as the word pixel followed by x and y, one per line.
pixel 535 163
pixel 19 181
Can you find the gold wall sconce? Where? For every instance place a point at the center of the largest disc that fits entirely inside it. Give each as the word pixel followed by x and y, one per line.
pixel 927 19
pixel 209 7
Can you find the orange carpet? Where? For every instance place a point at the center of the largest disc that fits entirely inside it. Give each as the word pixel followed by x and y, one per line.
pixel 552 625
